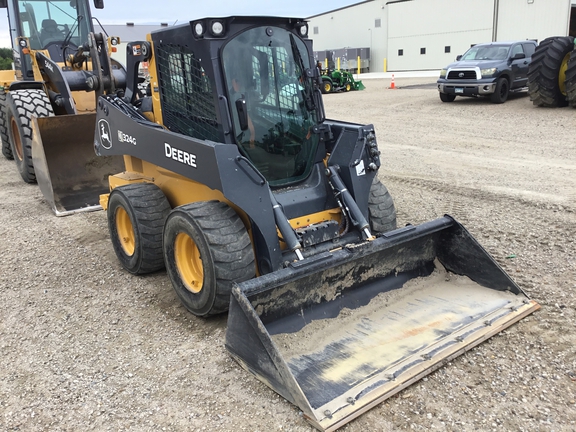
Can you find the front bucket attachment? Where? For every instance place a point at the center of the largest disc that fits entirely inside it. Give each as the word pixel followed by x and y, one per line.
pixel 340 332
pixel 70 175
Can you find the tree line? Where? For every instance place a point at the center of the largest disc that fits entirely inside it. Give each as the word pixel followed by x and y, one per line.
pixel 6 58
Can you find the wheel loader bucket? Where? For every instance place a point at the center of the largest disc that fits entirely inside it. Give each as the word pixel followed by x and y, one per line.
pixel 358 85
pixel 340 332
pixel 70 175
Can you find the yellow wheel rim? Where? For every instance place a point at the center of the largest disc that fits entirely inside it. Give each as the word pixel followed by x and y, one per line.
pixel 327 87
pixel 189 263
pixel 125 231
pixel 17 139
pixel 562 74
pixel 348 87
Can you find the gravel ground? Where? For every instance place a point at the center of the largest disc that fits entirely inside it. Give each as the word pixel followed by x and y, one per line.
pixel 86 346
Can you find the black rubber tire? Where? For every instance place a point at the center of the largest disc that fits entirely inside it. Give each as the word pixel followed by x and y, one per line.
pixel 381 208
pixel 225 254
pixel 141 208
pixel 446 97
pixel 546 72
pixel 327 87
pixel 501 91
pixel 21 106
pixel 6 148
pixel 570 82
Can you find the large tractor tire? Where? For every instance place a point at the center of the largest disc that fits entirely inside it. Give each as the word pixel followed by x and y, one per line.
pixel 136 216
pixel 21 106
pixel 570 82
pixel 547 72
pixel 381 208
pixel 206 248
pixel 6 148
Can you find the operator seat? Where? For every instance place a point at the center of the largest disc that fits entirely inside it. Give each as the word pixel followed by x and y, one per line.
pixel 49 31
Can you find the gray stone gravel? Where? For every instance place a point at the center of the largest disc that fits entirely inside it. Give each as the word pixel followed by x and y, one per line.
pixel 86 346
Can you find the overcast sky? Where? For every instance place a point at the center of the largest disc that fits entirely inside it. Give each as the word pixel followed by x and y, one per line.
pixel 170 11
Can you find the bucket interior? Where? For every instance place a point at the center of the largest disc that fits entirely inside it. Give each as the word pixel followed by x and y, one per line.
pixel 70 174
pixel 341 332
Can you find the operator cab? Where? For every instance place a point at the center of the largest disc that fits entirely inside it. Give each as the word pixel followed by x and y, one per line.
pixel 59 26
pixel 265 70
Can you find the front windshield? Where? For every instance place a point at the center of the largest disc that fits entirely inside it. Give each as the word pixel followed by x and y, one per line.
pixel 491 52
pixel 264 70
pixel 46 22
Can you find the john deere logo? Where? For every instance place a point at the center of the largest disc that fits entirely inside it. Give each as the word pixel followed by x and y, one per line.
pixel 104 131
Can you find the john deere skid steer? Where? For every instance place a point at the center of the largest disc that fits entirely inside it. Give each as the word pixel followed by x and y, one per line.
pixel 48 102
pixel 256 203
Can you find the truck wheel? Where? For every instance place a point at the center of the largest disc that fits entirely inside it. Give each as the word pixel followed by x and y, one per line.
pixel 445 97
pixel 21 106
pixel 326 87
pixel 136 215
pixel 206 248
pixel 6 149
pixel 500 94
pixel 381 208
pixel 547 72
pixel 571 80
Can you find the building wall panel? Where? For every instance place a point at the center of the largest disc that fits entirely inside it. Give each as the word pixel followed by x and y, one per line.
pixel 435 25
pixel 353 27
pixel 539 19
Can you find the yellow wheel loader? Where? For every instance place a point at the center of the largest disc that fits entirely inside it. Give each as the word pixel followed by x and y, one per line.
pixel 48 102
pixel 255 202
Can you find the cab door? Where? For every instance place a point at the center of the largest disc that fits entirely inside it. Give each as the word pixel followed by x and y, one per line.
pixel 519 62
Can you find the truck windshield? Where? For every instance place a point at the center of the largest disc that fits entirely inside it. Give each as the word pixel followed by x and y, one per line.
pixel 492 52
pixel 265 70
pixel 46 22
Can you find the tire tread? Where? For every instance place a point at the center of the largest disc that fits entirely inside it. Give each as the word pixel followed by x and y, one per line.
pixel 28 103
pixel 381 208
pixel 229 245
pixel 150 207
pixel 543 86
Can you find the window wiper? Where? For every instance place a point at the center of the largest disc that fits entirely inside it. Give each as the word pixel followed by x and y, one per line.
pixel 308 96
pixel 75 25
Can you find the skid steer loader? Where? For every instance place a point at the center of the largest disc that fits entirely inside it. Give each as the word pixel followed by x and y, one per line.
pixel 48 102
pixel 256 203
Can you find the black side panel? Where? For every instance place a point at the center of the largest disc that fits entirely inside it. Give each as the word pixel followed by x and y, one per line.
pixel 462 254
pixel 358 161
pixel 120 130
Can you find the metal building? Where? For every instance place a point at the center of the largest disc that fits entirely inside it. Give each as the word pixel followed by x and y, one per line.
pixel 428 34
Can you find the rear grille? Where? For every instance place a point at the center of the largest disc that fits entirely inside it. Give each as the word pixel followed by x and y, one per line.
pixel 462 74
pixel 187 102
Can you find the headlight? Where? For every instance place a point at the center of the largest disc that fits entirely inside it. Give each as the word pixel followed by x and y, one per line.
pixel 199 29
pixel 443 73
pixel 488 72
pixel 217 28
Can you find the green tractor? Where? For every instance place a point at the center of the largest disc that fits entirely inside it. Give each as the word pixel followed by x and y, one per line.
pixel 339 80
